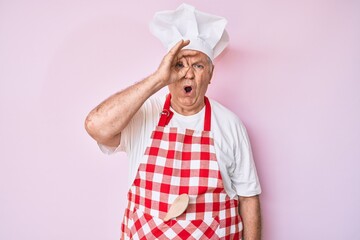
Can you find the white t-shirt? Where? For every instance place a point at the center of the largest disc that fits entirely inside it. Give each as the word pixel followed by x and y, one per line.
pixel 232 146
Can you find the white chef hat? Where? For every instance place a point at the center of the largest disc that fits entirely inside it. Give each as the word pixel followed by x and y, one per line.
pixel 206 32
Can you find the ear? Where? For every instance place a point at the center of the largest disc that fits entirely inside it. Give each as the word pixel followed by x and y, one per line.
pixel 212 71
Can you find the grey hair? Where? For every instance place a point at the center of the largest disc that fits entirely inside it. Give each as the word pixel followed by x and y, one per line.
pixel 211 64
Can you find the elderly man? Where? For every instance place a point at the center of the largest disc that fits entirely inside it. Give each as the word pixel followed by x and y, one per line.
pixel 191 169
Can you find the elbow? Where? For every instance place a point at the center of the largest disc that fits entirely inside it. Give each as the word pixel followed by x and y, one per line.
pixel 94 129
pixel 100 133
pixel 91 128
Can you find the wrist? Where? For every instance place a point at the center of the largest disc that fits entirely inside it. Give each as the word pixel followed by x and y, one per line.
pixel 156 82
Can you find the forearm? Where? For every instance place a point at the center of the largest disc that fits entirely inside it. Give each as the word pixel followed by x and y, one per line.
pixel 250 213
pixel 106 121
pixel 109 118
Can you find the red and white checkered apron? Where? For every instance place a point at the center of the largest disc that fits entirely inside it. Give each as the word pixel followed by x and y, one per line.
pixel 180 161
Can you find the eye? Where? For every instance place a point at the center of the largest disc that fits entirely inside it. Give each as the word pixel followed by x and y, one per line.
pixel 179 65
pixel 198 66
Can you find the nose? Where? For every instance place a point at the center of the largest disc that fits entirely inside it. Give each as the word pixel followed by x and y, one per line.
pixel 190 73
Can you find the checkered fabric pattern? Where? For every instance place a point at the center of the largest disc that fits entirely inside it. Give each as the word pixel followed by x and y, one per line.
pixel 148 227
pixel 180 161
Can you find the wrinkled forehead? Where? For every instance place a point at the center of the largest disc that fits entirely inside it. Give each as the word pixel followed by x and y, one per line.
pixel 195 56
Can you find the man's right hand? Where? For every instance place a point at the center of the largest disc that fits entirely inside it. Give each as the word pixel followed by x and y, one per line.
pixel 174 65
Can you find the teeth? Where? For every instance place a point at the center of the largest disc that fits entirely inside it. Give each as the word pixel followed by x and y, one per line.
pixel 188 89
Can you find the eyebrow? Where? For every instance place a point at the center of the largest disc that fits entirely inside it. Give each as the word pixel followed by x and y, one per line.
pixel 199 61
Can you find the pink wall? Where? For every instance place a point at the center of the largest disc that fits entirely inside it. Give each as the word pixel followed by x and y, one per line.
pixel 291 73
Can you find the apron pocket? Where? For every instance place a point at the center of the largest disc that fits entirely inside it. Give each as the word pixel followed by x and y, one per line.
pixel 143 225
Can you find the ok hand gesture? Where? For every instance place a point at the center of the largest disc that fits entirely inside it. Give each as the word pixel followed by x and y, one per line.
pixel 174 65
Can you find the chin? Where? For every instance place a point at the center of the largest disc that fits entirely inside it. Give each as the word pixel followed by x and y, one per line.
pixel 189 101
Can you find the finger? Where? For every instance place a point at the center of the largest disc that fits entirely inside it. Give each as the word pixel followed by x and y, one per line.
pixel 182 73
pixel 178 46
pixel 187 53
pixel 180 64
pixel 184 61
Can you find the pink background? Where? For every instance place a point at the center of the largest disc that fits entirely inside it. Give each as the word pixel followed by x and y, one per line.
pixel 291 73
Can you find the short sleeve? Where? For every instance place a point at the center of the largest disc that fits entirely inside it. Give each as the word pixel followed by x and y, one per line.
pixel 244 177
pixel 124 139
pixel 110 150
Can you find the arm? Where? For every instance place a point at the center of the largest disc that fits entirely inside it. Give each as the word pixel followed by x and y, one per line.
pixel 249 210
pixel 105 122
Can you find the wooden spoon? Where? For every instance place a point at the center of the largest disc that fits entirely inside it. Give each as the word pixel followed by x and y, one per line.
pixel 177 207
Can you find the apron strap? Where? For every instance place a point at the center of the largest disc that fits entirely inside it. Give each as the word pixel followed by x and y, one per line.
pixel 167 114
pixel 207 121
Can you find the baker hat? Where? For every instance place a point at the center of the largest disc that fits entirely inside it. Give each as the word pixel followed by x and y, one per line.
pixel 206 32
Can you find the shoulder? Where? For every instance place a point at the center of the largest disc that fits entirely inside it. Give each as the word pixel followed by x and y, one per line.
pixel 148 113
pixel 223 114
pixel 152 106
pixel 226 124
pixel 154 102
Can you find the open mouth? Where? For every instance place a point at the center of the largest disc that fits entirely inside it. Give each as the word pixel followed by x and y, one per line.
pixel 187 89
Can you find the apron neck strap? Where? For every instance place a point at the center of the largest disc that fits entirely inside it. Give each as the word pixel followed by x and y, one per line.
pixel 167 114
